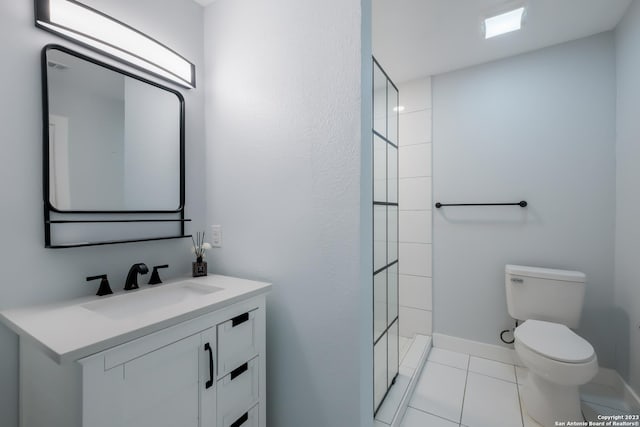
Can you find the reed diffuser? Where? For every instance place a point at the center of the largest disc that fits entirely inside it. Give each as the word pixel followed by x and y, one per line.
pixel 199 267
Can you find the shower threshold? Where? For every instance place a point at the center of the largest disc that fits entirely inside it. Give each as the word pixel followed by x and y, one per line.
pixel 413 355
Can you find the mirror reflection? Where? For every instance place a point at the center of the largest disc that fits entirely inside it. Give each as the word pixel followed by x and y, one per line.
pixel 114 140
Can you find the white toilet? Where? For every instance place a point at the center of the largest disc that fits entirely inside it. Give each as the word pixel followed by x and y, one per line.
pixel 559 361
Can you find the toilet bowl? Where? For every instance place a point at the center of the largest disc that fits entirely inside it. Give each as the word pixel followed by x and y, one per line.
pixel 559 361
pixel 549 301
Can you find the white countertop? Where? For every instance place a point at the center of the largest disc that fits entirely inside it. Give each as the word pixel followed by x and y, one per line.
pixel 72 330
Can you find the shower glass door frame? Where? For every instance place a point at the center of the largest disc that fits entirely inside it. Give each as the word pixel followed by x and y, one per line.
pixel 385 234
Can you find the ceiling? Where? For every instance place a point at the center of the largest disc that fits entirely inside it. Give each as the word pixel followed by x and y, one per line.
pixel 416 38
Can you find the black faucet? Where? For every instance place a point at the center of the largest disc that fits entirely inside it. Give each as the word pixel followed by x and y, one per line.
pixel 132 277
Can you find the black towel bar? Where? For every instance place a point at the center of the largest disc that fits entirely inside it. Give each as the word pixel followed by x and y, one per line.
pixel 522 204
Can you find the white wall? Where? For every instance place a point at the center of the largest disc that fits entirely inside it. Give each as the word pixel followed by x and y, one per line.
pixel 415 208
pixel 30 273
pixel 627 286
pixel 538 127
pixel 284 135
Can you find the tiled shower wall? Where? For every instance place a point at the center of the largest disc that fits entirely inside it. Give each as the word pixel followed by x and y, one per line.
pixel 415 241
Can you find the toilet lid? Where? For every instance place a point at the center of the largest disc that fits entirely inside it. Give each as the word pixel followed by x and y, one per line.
pixel 554 341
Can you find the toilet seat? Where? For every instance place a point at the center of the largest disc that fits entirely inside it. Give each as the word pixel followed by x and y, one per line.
pixel 554 341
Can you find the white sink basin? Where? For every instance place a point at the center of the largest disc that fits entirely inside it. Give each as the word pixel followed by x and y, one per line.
pixel 141 302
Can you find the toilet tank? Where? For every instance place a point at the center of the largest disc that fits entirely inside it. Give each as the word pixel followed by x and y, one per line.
pixel 545 294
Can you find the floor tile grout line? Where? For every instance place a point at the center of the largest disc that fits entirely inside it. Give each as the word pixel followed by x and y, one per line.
pixel 444 364
pixel 432 414
pixel 519 398
pixel 492 360
pixel 469 356
pixel 516 369
pixel 464 394
pixel 495 378
pixel 415 308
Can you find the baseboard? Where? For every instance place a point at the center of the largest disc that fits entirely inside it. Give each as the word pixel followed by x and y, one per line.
pixel 631 398
pixel 611 378
pixel 476 348
pixel 608 377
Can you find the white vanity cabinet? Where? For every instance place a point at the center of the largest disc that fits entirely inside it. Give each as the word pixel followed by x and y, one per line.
pixel 207 371
pixel 165 387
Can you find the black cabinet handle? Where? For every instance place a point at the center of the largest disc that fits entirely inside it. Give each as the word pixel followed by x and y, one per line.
pixel 209 383
pixel 239 370
pixel 239 320
pixel 241 420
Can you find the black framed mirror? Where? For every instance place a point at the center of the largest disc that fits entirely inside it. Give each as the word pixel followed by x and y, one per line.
pixel 113 141
pixel 113 153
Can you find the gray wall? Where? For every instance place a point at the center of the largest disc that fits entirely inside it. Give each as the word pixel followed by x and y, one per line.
pixel 284 133
pixel 30 273
pixel 538 127
pixel 627 284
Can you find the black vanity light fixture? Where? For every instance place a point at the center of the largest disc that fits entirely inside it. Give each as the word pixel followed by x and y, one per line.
pixel 95 30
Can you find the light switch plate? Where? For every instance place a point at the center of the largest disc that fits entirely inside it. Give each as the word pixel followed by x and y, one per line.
pixel 216 236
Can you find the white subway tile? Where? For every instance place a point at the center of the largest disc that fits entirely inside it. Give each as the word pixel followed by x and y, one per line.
pixel 415 160
pixel 415 259
pixel 415 193
pixel 415 291
pixel 428 329
pixel 414 321
pixel 415 128
pixel 415 226
pixel 415 95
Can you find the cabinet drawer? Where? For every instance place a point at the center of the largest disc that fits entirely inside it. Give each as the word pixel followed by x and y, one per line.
pixel 248 419
pixel 237 342
pixel 237 392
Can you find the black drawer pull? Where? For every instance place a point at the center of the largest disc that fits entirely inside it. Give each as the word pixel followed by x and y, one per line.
pixel 209 383
pixel 241 420
pixel 239 320
pixel 239 370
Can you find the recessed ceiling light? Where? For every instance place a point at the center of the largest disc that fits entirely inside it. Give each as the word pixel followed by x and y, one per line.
pixel 398 109
pixel 503 23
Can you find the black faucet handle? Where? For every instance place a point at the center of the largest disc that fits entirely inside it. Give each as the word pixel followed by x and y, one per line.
pixel 155 277
pixel 104 288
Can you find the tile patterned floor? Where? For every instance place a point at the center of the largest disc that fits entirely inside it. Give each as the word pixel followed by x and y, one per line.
pixel 456 389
